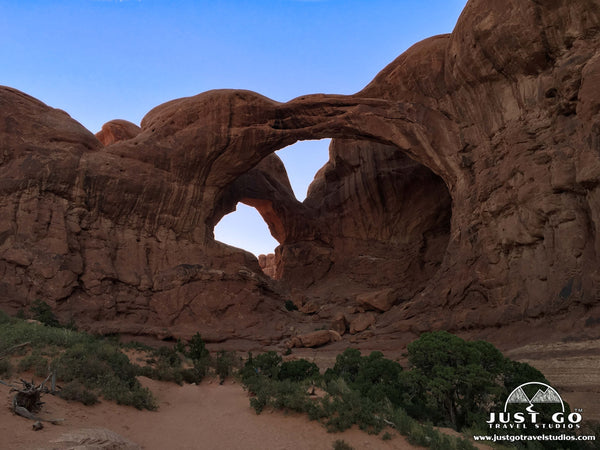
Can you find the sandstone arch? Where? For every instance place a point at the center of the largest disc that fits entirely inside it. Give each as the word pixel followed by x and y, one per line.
pixel 504 110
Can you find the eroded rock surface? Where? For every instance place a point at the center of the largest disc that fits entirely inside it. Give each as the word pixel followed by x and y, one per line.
pixel 462 192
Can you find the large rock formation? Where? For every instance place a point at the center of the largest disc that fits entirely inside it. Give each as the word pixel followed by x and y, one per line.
pixel 462 192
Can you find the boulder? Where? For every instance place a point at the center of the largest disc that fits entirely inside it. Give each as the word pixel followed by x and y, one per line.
pixel 362 322
pixel 380 301
pixel 314 339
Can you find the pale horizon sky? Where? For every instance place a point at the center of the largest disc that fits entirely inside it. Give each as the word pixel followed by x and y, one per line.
pixel 116 59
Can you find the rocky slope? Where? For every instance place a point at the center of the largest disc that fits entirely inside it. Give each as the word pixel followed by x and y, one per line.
pixel 462 192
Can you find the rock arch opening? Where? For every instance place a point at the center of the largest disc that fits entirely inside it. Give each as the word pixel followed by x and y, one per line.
pixel 265 197
pixel 373 218
pixel 302 161
pixel 245 228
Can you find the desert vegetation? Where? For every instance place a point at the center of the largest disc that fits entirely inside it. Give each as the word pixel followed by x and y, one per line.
pixel 449 382
pixel 87 367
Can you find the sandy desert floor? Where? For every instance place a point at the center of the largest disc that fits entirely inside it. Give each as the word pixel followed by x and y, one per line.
pixel 208 416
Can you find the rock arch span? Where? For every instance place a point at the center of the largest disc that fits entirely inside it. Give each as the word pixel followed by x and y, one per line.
pixel 504 111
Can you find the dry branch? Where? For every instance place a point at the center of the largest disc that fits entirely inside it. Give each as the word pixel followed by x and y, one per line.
pixel 27 400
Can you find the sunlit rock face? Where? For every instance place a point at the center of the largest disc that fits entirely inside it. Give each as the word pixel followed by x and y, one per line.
pixel 462 192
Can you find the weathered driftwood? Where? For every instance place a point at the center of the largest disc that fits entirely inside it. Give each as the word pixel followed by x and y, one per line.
pixel 27 400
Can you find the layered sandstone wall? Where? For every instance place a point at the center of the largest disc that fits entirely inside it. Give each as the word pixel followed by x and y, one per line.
pixel 462 192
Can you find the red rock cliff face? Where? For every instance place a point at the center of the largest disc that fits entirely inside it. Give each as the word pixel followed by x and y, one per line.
pixel 461 192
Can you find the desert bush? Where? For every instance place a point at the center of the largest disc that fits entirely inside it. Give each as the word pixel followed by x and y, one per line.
pixel 351 408
pixel 95 363
pixel 196 348
pixel 101 367
pixel 265 365
pixel 164 364
pixel 41 311
pixel 127 392
pixel 35 362
pixel 268 364
pixel 5 318
pixel 162 372
pixel 76 391
pixel 18 332
pixel 6 368
pixel 372 391
pixel 456 383
pixel 167 357
pixel 298 370
pixel 342 445
pixel 224 364
pixel 373 376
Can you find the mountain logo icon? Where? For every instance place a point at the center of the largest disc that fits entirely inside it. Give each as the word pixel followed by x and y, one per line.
pixel 544 394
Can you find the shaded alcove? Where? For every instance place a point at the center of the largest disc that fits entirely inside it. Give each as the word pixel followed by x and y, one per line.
pixel 373 218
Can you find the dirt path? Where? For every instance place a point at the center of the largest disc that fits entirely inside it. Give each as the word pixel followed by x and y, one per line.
pixel 208 416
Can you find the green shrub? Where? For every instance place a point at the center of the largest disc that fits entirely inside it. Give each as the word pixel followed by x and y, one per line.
pixel 101 366
pixel 352 408
pixel 18 332
pixel 196 351
pixel 41 311
pixel 6 368
pixel 128 393
pixel 268 364
pixel 35 362
pixel 75 391
pixel 164 365
pixel 168 357
pixel 298 370
pixel 373 376
pixel 286 395
pixel 342 445
pixel 450 382
pixel 265 365
pixel 193 375
pixel 224 364
pixel 196 348
pixel 456 383
pixel 162 373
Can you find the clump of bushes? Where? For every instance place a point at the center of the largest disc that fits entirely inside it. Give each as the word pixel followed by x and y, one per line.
pixel 6 368
pixel 35 362
pixel 42 312
pixel 88 365
pixel 225 363
pixel 340 444
pixel 450 382
pixel 165 364
pixel 173 364
pixel 76 391
pixel 101 367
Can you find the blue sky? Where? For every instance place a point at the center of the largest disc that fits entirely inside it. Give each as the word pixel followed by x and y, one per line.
pixel 107 59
